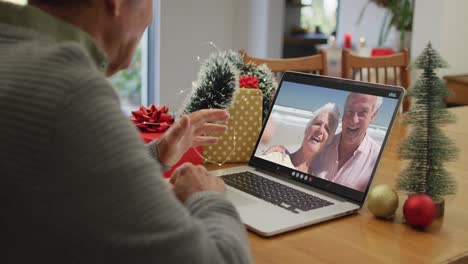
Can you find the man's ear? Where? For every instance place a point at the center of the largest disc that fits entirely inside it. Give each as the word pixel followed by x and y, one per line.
pixel 114 7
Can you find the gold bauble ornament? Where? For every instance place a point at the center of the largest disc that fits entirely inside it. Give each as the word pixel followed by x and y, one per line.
pixel 382 201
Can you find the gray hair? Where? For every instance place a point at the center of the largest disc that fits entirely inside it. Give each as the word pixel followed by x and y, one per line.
pixel 377 105
pixel 335 114
pixel 375 108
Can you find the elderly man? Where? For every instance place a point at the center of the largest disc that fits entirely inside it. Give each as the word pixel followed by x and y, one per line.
pixel 350 157
pixel 78 184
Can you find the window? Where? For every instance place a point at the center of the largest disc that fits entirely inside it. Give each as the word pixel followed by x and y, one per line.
pixel 319 16
pixel 135 86
pixel 308 23
pixel 129 83
pixel 19 2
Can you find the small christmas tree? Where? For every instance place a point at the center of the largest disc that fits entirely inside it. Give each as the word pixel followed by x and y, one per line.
pixel 218 80
pixel 427 147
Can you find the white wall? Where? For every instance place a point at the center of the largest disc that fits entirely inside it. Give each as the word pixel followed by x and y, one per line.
pixel 186 27
pixel 369 28
pixel 275 28
pixel 259 27
pixel 444 24
pixel 455 36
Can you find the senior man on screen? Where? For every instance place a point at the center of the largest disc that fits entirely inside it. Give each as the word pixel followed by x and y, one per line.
pixel 350 157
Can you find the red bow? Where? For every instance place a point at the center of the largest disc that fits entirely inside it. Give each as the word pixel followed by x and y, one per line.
pixel 248 82
pixel 152 119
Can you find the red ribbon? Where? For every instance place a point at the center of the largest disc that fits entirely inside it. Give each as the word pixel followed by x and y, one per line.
pixel 248 82
pixel 152 119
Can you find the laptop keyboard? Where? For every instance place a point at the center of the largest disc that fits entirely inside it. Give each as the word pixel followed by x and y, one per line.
pixel 274 192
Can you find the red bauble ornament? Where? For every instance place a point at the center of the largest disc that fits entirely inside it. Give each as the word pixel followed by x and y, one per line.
pixel 419 210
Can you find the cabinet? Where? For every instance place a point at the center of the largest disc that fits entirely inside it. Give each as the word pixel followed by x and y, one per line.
pixel 458 86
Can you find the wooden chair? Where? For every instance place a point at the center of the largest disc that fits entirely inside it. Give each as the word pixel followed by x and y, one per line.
pixel 311 64
pixel 392 69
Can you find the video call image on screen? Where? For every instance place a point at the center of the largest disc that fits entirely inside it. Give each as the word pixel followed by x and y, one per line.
pixel 310 125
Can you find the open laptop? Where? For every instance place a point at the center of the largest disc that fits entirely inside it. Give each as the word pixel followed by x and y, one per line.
pixel 272 195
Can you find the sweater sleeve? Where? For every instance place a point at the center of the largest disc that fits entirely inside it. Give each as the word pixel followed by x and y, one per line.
pixel 115 207
pixel 153 150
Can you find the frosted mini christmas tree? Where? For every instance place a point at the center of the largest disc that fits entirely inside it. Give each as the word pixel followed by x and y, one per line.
pixel 427 147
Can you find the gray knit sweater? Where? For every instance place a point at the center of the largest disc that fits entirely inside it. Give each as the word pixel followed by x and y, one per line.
pixel 77 183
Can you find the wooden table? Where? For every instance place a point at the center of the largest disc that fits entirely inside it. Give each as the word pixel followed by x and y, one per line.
pixel 361 238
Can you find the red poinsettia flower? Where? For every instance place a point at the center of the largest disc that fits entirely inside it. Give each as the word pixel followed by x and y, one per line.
pixel 248 81
pixel 152 119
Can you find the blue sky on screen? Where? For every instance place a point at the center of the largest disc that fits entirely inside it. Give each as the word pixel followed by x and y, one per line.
pixel 307 97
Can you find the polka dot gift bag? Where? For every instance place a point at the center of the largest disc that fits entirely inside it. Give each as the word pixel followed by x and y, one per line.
pixel 238 142
pixel 246 90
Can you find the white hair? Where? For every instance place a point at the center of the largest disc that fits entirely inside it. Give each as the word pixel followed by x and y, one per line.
pixel 375 108
pixel 377 105
pixel 335 114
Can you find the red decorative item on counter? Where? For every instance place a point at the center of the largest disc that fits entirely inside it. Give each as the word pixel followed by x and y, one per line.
pixel 190 156
pixel 153 122
pixel 382 52
pixel 152 119
pixel 248 81
pixel 419 210
pixel 347 41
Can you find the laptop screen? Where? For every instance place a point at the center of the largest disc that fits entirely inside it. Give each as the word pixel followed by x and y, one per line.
pixel 328 132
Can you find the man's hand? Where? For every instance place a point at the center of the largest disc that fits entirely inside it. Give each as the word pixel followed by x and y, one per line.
pixel 189 179
pixel 277 148
pixel 187 132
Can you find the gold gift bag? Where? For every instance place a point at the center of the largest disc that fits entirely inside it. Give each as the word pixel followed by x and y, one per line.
pixel 237 143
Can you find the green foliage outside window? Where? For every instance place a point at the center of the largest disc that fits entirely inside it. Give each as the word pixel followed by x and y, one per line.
pixel 319 13
pixel 128 83
pixel 399 14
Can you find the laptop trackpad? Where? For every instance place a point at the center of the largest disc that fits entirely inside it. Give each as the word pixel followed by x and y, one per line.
pixel 239 199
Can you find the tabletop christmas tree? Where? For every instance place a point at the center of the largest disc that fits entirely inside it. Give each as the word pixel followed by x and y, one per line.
pixel 427 147
pixel 218 81
pixel 216 85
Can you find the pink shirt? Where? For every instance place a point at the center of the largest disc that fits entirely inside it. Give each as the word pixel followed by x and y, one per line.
pixel 356 172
